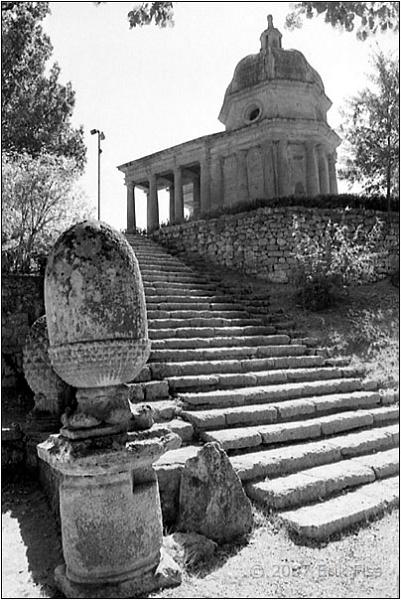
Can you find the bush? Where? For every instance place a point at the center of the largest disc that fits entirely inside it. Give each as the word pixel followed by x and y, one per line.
pixel 328 201
pixel 328 264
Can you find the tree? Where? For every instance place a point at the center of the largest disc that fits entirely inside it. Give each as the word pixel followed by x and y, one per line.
pixel 146 13
pixel 369 17
pixel 36 108
pixel 371 131
pixel 40 199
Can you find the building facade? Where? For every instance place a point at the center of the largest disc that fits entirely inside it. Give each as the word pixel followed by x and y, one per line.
pixel 276 142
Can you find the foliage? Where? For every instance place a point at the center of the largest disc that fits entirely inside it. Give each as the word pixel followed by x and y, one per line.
pixel 371 131
pixel 327 264
pixel 367 17
pixel 40 200
pixel 147 13
pixel 36 108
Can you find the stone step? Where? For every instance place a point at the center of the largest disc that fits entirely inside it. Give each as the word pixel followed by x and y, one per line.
pixel 177 355
pixel 285 410
pixel 280 433
pixel 175 278
pixel 311 485
pixel 163 268
pixel 201 367
pixel 267 393
pixel 197 286
pixel 320 521
pixel 202 322
pixel 191 306
pixel 232 341
pixel 171 290
pixel 149 391
pixel 210 332
pixel 197 314
pixel 296 457
pixel 246 378
pixel 184 300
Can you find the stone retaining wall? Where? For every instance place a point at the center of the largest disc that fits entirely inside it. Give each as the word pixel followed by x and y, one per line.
pixel 261 242
pixel 22 303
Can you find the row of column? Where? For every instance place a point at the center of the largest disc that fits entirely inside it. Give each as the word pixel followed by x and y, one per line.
pixel 320 179
pixel 320 172
pixel 201 200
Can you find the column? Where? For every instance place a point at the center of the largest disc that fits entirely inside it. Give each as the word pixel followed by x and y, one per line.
pixel 332 173
pixel 171 204
pixel 131 222
pixel 312 172
pixel 283 170
pixel 153 204
pixel 217 191
pixel 205 183
pixel 268 170
pixel 323 171
pixel 242 177
pixel 196 195
pixel 178 196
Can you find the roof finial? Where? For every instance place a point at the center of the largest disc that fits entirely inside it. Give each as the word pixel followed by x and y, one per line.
pixel 271 37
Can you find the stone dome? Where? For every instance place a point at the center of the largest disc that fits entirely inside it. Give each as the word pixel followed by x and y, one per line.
pixel 284 64
pixel 275 83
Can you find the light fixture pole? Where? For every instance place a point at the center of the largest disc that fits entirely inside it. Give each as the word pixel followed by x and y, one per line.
pixel 100 137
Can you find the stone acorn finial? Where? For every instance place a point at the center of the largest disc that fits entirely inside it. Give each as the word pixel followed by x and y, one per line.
pixel 96 316
pixel 51 392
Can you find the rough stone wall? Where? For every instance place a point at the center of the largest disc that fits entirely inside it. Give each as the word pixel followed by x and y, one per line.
pixel 22 303
pixel 261 242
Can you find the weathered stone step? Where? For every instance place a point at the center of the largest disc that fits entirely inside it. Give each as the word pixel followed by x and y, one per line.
pixel 177 298
pixel 191 306
pixel 229 341
pixel 163 268
pixel 197 354
pixel 172 290
pixel 295 457
pixel 280 433
pixel 319 521
pixel 201 322
pixel 201 367
pixel 248 378
pixel 320 482
pixel 149 391
pixel 267 393
pixel 170 275
pixel 285 410
pixel 197 314
pixel 180 285
pixel 206 332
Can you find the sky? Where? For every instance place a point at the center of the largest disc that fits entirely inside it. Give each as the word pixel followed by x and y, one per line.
pixel 150 88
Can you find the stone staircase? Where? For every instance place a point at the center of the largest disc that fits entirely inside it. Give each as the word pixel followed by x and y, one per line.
pixel 308 435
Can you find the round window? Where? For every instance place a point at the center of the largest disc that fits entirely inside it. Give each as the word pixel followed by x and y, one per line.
pixel 252 113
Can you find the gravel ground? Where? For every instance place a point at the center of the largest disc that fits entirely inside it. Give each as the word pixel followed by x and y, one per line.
pixel 361 564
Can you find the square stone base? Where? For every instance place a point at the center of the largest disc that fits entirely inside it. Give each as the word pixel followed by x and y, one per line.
pixel 167 574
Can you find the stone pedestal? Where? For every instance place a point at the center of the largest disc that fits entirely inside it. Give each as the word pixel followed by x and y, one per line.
pixel 110 516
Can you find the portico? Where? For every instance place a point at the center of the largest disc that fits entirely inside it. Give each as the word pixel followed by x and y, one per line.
pixel 277 142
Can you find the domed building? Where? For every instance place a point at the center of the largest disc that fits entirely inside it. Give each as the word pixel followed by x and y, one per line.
pixel 276 142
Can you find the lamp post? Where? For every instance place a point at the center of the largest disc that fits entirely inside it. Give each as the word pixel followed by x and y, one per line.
pixel 100 137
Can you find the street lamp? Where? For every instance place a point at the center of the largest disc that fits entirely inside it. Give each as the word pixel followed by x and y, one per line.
pixel 100 137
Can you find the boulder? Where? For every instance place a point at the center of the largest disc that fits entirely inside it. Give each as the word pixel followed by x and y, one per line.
pixel 212 501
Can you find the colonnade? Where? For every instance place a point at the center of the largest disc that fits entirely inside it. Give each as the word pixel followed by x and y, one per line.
pixel 208 181
pixel 201 193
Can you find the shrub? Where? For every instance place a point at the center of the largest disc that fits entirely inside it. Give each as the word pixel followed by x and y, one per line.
pixel 328 201
pixel 326 265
